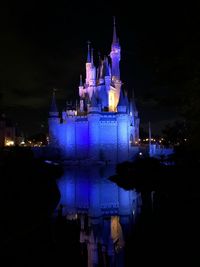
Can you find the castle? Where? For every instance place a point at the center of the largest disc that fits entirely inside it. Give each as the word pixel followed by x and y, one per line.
pixel 104 125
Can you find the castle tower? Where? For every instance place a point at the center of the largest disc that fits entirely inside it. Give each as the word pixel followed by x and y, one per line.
pixel 115 55
pixel 122 129
pixel 104 125
pixel 107 73
pixel 121 107
pixel 135 121
pixel 88 64
pixel 92 81
pixel 81 93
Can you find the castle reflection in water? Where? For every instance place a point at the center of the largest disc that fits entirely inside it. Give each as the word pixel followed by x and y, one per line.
pixel 106 211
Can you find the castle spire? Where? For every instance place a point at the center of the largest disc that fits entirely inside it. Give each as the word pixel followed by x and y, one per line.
pixel 121 107
pixel 88 55
pixel 99 66
pixel 126 101
pixel 92 56
pixel 53 107
pixel 81 80
pixel 121 99
pixel 106 67
pixel 115 39
pixel 132 106
pixel 115 55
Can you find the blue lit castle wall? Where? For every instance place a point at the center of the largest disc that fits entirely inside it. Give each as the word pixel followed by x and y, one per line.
pixel 104 125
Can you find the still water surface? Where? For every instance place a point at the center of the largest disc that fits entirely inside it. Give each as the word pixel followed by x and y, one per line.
pixel 105 211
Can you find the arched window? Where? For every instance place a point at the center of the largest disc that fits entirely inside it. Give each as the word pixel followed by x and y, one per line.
pixel 111 101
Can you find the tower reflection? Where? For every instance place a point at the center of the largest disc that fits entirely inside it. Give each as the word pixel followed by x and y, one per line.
pixel 105 211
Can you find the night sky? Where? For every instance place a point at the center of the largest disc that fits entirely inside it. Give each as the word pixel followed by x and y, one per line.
pixel 44 47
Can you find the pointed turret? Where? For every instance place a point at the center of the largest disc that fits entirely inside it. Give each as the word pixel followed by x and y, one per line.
pixel 88 54
pixel 53 107
pixel 92 56
pixel 121 107
pixel 115 55
pixel 92 80
pixel 122 101
pixel 53 112
pixel 107 74
pixel 106 67
pixel 81 80
pixel 132 106
pixel 126 101
pixel 99 67
pixel 81 91
pixel 115 39
pixel 88 65
pixel 94 102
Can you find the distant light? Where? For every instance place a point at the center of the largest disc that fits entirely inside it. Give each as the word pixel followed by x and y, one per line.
pixel 185 139
pixel 48 161
pixel 140 153
pixel 10 143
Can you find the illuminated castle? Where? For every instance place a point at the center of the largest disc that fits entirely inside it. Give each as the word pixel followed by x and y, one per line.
pixel 104 125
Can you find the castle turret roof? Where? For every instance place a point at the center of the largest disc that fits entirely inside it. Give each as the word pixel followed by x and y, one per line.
pixel 122 101
pixel 133 107
pixel 88 54
pixel 81 81
pixel 94 102
pixel 106 71
pixel 115 39
pixel 53 107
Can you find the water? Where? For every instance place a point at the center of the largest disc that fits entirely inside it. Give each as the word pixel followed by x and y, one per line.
pixel 104 212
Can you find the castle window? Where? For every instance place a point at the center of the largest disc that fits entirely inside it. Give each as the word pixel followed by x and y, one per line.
pixel 111 101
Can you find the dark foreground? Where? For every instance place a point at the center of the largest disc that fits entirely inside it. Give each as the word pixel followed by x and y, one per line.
pixel 164 236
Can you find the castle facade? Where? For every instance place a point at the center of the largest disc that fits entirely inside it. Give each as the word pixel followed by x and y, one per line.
pixel 104 124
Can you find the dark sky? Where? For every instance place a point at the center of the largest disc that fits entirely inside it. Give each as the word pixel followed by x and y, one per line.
pixel 43 46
